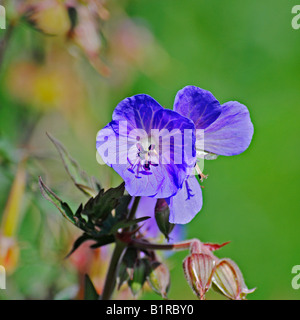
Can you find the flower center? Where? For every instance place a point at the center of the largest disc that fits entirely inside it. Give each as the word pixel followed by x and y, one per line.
pixel 146 157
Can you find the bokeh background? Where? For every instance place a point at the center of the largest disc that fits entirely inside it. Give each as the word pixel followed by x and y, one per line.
pixel 68 85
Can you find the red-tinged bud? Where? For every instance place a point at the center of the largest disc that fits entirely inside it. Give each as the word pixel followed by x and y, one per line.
pixel 198 269
pixel 159 278
pixel 229 280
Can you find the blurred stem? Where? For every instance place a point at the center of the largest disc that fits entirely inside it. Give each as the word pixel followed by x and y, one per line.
pixel 7 36
pixel 110 281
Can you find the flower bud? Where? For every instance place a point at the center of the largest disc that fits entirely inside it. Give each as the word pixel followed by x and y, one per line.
pixel 162 213
pixel 229 280
pixel 198 269
pixel 140 272
pixel 159 278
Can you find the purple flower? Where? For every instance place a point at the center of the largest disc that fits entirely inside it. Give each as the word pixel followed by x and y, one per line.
pixel 220 130
pixel 155 149
pixel 151 148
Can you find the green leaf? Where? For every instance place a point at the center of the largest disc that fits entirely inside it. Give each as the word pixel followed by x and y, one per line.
pixel 125 224
pixel 102 241
pixel 78 242
pixel 90 293
pixel 122 208
pixel 103 204
pixel 80 178
pixel 63 207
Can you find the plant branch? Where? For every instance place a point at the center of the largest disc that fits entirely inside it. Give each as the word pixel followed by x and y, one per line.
pixel 184 245
pixel 110 281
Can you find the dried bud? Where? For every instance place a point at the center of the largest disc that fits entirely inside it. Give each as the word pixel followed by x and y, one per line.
pixel 162 213
pixel 198 269
pixel 229 280
pixel 159 278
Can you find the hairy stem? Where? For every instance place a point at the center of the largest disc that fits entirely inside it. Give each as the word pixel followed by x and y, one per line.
pixel 184 245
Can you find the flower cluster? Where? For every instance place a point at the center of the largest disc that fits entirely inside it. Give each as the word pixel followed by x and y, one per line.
pixel 155 150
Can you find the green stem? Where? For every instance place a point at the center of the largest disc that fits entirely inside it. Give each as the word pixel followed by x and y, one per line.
pixel 110 281
pixel 134 207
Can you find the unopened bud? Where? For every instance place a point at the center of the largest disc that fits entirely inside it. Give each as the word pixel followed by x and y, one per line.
pixel 140 273
pixel 198 269
pixel 162 214
pixel 159 278
pixel 229 280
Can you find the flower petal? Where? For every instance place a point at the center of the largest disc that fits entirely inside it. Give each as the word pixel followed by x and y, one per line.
pixel 126 140
pixel 231 133
pixel 138 111
pixel 197 104
pixel 186 203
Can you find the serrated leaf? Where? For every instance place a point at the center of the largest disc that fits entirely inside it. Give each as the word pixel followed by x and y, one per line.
pixel 63 207
pixel 102 205
pixel 78 242
pixel 102 241
pixel 90 293
pixel 79 177
pixel 125 224
pixel 122 208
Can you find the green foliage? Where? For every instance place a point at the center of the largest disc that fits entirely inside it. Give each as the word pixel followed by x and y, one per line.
pixel 90 292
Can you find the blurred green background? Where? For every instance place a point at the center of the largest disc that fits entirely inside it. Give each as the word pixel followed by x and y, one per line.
pixel 239 50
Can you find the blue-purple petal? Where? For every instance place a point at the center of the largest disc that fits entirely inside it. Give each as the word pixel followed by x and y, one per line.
pixel 143 113
pixel 186 203
pixel 197 104
pixel 231 133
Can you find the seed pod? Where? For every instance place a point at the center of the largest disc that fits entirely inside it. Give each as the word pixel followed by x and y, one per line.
pixel 229 280
pixel 159 278
pixel 198 269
